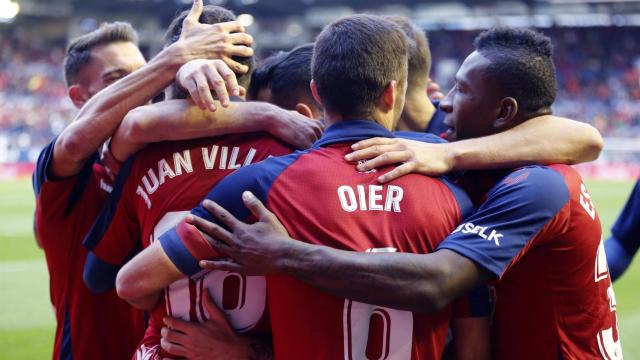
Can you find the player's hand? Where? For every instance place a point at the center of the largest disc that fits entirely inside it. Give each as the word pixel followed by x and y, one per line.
pixel 413 157
pixel 213 339
pixel 295 129
pixel 253 249
pixel 433 90
pixel 200 77
pixel 218 41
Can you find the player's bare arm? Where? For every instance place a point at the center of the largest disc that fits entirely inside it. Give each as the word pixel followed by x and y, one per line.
pixel 101 115
pixel 181 119
pixel 414 282
pixel 471 338
pixel 212 339
pixel 542 140
pixel 141 281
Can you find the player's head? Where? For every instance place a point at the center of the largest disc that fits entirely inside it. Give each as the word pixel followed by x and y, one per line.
pixel 283 79
pixel 359 69
pixel 419 53
pixel 508 79
pixel 95 60
pixel 211 14
pixel 259 88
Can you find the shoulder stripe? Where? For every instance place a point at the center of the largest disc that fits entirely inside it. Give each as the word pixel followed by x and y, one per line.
pixel 464 202
pixel 103 220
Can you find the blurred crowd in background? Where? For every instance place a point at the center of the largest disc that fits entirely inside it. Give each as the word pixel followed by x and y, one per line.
pixel 598 73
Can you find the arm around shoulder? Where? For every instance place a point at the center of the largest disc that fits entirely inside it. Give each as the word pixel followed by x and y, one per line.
pixel 141 280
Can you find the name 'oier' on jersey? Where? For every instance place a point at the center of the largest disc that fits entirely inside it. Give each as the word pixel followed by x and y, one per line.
pixel 322 199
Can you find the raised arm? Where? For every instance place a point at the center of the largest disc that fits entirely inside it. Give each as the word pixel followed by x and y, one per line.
pixel 542 140
pixel 101 115
pixel 181 119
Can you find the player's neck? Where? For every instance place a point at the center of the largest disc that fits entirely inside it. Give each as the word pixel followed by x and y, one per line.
pixel 382 119
pixel 417 112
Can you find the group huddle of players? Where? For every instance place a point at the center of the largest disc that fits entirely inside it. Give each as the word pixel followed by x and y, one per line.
pixel 376 239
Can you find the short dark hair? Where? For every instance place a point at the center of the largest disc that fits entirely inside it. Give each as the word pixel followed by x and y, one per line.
pixel 355 58
pixel 262 75
pixel 211 14
pixel 521 62
pixel 78 53
pixel 287 75
pixel 419 52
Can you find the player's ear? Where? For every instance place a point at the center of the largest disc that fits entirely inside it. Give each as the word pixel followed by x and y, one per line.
pixel 388 97
pixel 506 113
pixel 304 109
pixel 78 95
pixel 314 92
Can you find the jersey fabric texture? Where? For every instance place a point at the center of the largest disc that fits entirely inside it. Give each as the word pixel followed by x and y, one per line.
pixel 539 234
pixel 624 242
pixel 322 199
pixel 153 192
pixel 89 326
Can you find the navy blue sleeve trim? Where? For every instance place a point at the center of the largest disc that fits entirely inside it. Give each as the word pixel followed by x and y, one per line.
pixel 99 276
pixel 627 226
pixel 178 253
pixel 40 173
pixel 43 167
pixel 618 256
pixel 464 202
pixel 420 136
pixel 515 211
pixel 81 183
pixel 66 352
pixel 102 222
pixel 479 302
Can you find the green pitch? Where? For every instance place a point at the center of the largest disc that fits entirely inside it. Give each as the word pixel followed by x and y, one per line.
pixel 26 315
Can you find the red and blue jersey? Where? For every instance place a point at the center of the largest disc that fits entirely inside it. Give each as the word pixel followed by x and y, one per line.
pixel 538 232
pixel 624 242
pixel 89 326
pixel 322 199
pixel 154 190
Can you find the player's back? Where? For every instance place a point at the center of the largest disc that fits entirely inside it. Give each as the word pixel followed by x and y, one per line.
pixel 560 288
pixel 538 232
pixel 157 187
pixel 154 191
pixel 339 207
pixel 322 199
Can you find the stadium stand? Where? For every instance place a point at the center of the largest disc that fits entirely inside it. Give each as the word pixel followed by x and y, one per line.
pixel 597 84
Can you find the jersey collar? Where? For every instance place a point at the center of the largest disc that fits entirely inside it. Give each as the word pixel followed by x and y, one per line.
pixel 352 131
